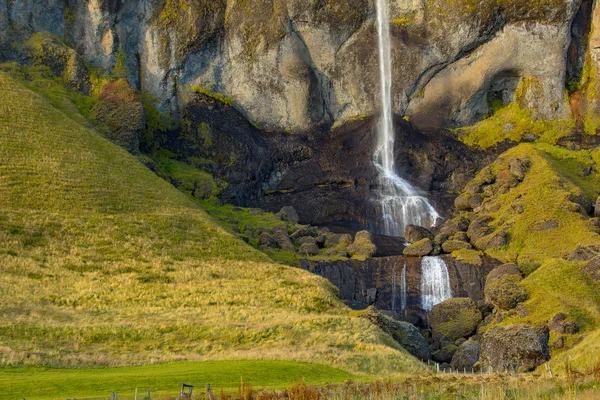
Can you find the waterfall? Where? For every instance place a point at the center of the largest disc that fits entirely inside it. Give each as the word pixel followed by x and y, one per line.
pixel 401 203
pixel 404 290
pixel 435 282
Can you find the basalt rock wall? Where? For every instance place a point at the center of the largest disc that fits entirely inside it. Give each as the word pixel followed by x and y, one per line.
pixel 293 65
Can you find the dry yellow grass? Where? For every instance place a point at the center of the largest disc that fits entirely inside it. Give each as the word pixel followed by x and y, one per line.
pixel 103 263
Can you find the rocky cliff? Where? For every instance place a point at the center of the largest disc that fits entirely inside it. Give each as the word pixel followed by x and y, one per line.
pixel 292 65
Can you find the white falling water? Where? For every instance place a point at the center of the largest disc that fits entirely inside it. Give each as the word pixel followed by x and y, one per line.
pixel 435 282
pixel 400 202
pixel 404 290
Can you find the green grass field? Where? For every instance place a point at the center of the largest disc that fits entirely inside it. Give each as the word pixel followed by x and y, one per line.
pixel 161 380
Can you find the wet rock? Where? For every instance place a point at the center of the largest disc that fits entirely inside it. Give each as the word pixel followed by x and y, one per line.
pixel 419 249
pixel 516 343
pixel 363 245
pixel 455 318
pixel 467 355
pixel 288 213
pixel 453 245
pixel 504 292
pixel 407 335
pixel 283 241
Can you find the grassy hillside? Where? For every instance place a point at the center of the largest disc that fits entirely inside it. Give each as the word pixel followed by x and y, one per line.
pixel 102 263
pixel 544 220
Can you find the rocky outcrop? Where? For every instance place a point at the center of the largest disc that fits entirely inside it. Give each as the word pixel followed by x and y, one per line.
pixel 524 344
pixel 355 277
pixel 292 65
pixel 407 335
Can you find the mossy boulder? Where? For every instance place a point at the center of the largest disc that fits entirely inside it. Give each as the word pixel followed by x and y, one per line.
pixel 338 240
pixel 407 335
pixel 363 245
pixel 453 245
pixel 479 228
pixel 445 354
pixel 119 114
pixel 494 240
pixel 455 225
pixel 289 214
pixel 309 249
pixel 419 249
pixel 455 318
pixel 501 270
pixel 504 292
pixel 467 202
pixel 283 240
pixel 466 356
pixel 515 343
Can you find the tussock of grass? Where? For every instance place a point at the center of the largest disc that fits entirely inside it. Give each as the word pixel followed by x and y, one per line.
pixel 104 263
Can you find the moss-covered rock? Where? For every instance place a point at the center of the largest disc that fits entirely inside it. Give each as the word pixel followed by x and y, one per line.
pixel 466 356
pixel 525 344
pixel 452 245
pixel 414 233
pixel 445 354
pixel 407 335
pixel 119 113
pixel 455 318
pixel 504 292
pixel 363 245
pixel 419 249
pixel 501 270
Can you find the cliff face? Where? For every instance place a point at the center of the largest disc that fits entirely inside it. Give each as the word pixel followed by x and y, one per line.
pixel 292 65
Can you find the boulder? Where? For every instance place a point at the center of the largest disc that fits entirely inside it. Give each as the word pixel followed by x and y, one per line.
pixel 479 228
pixel 455 225
pixel 305 239
pixel 494 240
pixel 466 356
pixel 340 239
pixel 504 292
pixel 309 249
pixel 363 245
pixel 518 168
pixel 414 233
pixel 455 318
pixel 407 335
pixel 283 241
pixel 592 269
pixel 288 213
pixel 419 249
pixel 444 354
pixel 304 231
pixel 452 245
pixel 584 253
pixel 515 343
pixel 501 270
pixel 460 236
pixel 266 239
pixel 467 202
pixel 561 324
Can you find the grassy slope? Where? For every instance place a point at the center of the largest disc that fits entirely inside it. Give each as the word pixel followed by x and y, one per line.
pixel 161 379
pixel 554 284
pixel 103 263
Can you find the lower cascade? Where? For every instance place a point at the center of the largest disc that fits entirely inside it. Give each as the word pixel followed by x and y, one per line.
pixel 435 282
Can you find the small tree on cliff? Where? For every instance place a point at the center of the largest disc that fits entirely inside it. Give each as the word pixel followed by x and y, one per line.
pixel 120 68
